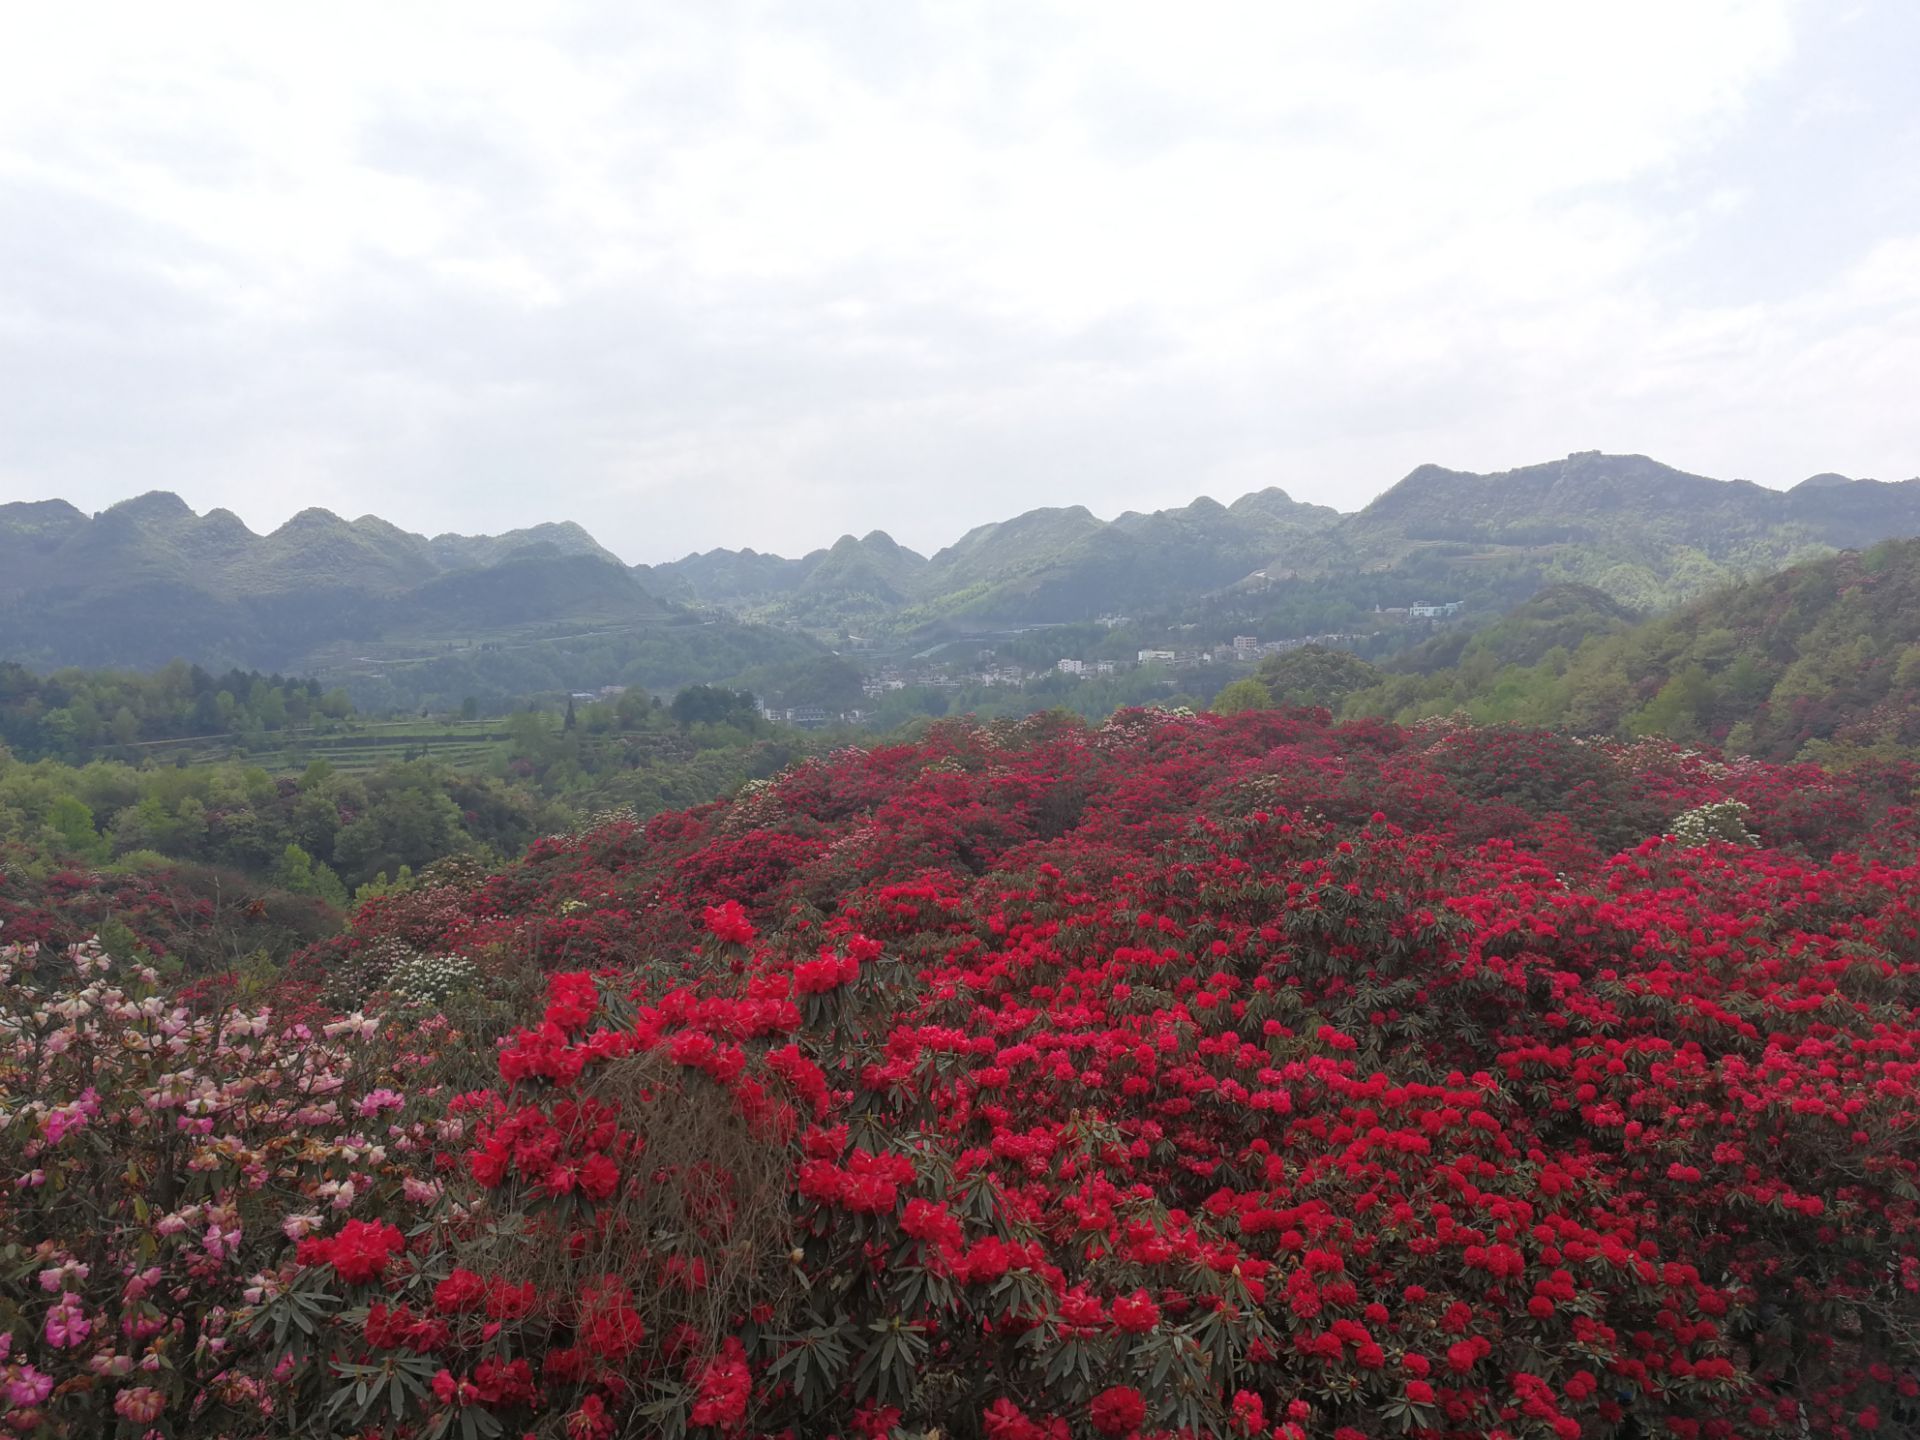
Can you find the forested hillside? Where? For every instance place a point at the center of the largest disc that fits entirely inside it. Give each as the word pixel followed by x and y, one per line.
pixel 1822 659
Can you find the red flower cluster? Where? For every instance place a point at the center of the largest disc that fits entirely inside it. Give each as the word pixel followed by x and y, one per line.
pixel 359 1253
pixel 829 972
pixel 608 1323
pixel 722 1386
pixel 728 922
pixel 1118 1410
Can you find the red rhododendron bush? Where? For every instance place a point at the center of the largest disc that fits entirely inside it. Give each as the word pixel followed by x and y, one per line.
pixel 1186 1075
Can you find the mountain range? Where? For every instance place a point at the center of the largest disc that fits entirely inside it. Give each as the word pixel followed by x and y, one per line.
pixel 149 580
pixel 1643 532
pixel 1044 565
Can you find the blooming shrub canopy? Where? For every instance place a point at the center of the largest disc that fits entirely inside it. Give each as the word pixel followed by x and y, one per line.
pixel 1187 1075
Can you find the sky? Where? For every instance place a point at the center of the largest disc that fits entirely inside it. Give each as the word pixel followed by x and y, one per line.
pixel 763 274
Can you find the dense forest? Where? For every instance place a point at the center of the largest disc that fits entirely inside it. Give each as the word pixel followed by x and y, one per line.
pixel 77 714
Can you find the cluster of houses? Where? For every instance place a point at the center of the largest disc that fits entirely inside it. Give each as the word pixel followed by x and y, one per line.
pixel 895 677
pixel 1421 611
pixel 989 671
pixel 808 717
pixel 1244 649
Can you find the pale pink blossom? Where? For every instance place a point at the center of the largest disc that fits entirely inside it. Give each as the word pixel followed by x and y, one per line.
pixel 420 1192
pixel 378 1100
pixel 53 1280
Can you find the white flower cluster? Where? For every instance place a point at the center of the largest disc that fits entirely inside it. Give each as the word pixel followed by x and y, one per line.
pixel 1722 822
pixel 429 979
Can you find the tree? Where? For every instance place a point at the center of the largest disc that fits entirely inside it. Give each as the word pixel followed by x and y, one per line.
pixel 1316 675
pixel 529 735
pixel 71 819
pixel 714 705
pixel 1678 712
pixel 633 709
pixel 299 873
pixel 408 825
pixel 1243 694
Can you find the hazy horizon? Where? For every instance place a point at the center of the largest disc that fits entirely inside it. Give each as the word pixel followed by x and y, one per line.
pixel 741 276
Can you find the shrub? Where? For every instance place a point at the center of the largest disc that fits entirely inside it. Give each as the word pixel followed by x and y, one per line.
pixel 1292 1079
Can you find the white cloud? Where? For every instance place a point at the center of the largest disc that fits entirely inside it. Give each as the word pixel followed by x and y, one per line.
pixel 740 273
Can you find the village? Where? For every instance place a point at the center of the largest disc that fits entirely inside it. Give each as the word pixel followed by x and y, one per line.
pixel 987 669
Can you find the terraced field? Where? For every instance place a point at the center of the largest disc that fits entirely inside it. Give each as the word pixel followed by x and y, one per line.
pixel 461 744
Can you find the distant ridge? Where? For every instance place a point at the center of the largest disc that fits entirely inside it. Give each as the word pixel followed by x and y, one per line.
pixel 1048 564
pixel 1643 532
pixel 148 580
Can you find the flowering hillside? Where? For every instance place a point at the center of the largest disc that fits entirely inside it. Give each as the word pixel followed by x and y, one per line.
pixel 1188 1075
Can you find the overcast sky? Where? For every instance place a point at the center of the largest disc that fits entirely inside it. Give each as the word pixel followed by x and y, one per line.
pixel 733 274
